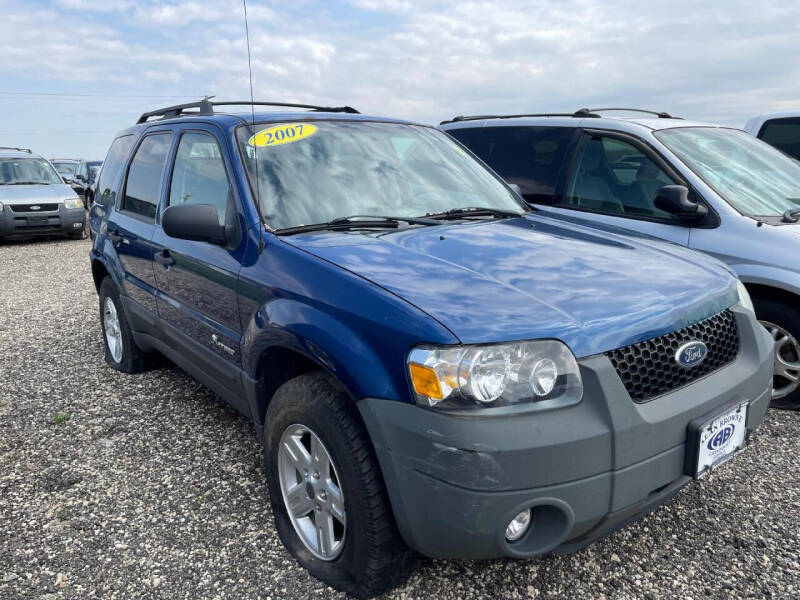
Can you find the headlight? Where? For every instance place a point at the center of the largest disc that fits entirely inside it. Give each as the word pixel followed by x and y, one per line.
pixel 494 375
pixel 744 297
pixel 73 203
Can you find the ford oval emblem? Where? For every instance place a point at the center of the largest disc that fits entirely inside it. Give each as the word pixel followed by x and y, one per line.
pixel 35 207
pixel 721 437
pixel 691 354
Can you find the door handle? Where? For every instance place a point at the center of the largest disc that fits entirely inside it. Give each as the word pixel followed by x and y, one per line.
pixel 164 258
pixel 115 237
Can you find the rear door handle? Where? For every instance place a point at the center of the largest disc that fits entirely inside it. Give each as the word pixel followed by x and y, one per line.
pixel 164 258
pixel 115 237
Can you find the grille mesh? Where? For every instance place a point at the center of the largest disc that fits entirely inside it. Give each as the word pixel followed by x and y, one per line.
pixel 27 207
pixel 648 369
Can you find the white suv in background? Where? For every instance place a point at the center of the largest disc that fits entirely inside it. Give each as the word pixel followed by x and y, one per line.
pixel 781 130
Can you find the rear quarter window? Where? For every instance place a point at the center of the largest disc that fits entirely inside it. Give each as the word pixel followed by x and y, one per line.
pixel 531 157
pixel 783 134
pixel 115 159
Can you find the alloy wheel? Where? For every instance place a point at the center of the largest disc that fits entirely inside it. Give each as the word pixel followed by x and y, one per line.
pixel 113 330
pixel 311 492
pixel 787 361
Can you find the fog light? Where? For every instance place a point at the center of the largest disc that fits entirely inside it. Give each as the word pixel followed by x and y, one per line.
pixel 518 526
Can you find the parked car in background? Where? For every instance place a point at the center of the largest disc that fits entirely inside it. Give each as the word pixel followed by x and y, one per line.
pixel 78 174
pixel 91 183
pixel 781 130
pixel 34 200
pixel 66 167
pixel 713 189
pixel 429 363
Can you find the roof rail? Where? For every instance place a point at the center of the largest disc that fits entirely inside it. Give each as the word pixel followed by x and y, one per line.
pixel 481 117
pixel 28 150
pixel 206 107
pixel 585 112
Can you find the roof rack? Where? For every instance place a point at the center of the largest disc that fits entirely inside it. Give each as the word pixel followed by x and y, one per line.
pixel 28 150
pixel 581 113
pixel 585 112
pixel 206 107
pixel 481 117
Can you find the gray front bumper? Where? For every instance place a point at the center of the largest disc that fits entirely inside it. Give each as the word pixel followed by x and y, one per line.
pixel 456 481
pixel 62 221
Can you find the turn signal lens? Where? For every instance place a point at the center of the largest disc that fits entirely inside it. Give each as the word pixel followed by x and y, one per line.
pixel 425 380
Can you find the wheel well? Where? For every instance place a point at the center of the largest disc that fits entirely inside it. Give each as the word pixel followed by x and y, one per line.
pixel 758 290
pixel 99 272
pixel 276 366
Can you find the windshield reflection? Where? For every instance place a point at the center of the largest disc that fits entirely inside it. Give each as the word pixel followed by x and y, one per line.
pixel 365 168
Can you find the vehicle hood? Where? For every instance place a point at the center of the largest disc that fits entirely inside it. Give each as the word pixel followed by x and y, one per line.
pixel 25 194
pixel 533 277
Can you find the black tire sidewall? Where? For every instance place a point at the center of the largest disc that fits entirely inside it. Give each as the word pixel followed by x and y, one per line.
pixel 787 317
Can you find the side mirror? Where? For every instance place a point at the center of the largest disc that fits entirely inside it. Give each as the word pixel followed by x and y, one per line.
pixel 80 177
pixel 674 199
pixel 198 222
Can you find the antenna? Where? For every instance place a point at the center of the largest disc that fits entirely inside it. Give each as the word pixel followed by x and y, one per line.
pixel 253 122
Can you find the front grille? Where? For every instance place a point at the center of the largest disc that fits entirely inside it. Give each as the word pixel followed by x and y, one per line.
pixel 649 369
pixel 27 207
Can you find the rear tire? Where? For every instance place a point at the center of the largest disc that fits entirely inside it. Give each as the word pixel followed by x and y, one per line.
pixel 782 320
pixel 121 351
pixel 372 557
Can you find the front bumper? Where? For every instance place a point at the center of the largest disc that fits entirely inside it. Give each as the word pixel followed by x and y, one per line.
pixel 18 223
pixel 456 481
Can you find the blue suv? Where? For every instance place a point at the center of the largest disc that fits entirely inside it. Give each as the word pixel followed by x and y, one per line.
pixel 432 365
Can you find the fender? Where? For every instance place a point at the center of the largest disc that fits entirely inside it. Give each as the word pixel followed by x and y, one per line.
pixel 323 339
pixel 775 277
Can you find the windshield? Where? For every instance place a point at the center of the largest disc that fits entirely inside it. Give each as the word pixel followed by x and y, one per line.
pixel 21 171
pixel 65 167
pixel 755 178
pixel 314 172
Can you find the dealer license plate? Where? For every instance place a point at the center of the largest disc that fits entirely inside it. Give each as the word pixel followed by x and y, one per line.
pixel 721 438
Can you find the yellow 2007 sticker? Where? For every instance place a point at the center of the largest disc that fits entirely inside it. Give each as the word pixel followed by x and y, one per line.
pixel 283 134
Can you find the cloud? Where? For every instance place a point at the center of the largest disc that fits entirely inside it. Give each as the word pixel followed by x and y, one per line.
pixel 424 60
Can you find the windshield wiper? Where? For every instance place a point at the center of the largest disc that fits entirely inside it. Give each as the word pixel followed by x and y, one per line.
pixel 475 211
pixel 793 214
pixel 357 222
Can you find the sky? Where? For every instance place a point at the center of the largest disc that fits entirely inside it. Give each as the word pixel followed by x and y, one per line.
pixel 74 72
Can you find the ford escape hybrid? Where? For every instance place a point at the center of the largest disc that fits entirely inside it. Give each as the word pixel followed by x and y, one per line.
pixel 431 365
pixel 709 188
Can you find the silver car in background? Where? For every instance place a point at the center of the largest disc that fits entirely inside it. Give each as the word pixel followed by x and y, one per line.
pixel 705 187
pixel 34 200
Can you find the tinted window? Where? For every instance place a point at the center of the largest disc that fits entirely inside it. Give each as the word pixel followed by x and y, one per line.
pixel 112 165
pixel 199 176
pixel 614 176
pixel 143 186
pixel 531 157
pixel 784 134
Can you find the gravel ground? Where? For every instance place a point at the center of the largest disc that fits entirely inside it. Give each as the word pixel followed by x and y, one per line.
pixel 114 486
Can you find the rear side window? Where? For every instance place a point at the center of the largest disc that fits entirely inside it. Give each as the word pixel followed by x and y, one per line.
pixel 783 134
pixel 112 165
pixel 199 175
pixel 531 157
pixel 143 186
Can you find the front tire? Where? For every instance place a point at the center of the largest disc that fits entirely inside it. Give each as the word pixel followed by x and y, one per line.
pixel 782 320
pixel 321 466
pixel 121 351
